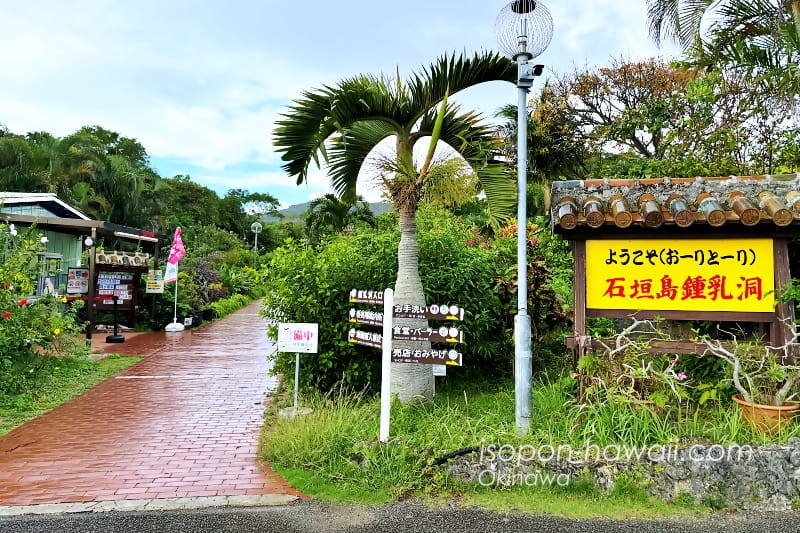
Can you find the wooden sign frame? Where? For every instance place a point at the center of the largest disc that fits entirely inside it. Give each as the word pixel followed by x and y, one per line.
pixel 776 324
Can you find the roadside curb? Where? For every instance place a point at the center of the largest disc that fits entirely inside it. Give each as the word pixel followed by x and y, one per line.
pixel 162 504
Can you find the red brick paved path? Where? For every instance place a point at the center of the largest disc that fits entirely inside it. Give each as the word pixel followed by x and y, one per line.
pixel 183 422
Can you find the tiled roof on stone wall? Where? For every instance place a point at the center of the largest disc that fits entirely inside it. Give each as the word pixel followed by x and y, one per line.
pixel 681 203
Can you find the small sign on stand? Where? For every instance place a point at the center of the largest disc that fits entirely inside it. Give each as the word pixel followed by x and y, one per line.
pixel 155 282
pixel 297 337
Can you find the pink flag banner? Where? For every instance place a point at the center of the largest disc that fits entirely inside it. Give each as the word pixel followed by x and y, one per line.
pixel 171 273
pixel 176 253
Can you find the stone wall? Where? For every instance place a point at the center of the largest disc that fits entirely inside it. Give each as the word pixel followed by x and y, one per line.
pixel 763 477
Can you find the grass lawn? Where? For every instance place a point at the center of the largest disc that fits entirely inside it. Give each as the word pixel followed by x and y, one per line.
pixel 333 454
pixel 56 381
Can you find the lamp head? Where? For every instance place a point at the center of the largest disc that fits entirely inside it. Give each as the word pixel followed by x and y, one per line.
pixel 524 28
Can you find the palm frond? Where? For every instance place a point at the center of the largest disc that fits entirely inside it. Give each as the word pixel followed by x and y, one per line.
pixel 300 135
pixel 366 109
pixel 349 151
pixel 451 74
pixel 303 131
pixel 366 97
pixel 677 20
pixel 478 143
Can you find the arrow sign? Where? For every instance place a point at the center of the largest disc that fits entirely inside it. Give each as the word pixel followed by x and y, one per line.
pixel 366 297
pixel 427 357
pixel 442 334
pixel 365 338
pixel 368 318
pixel 431 312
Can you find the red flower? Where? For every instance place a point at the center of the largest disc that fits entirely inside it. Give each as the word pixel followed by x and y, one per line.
pixel 22 302
pixel 6 314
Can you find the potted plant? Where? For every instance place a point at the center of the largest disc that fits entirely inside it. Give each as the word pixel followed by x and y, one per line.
pixel 766 378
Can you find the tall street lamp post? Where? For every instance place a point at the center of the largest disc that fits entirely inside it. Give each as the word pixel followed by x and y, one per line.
pixel 255 227
pixel 523 29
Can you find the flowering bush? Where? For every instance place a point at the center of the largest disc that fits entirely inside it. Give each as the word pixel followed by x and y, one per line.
pixel 626 372
pixel 29 327
pixel 218 264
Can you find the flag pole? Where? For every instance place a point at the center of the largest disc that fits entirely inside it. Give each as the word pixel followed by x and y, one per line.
pixel 175 326
pixel 177 252
pixel 175 304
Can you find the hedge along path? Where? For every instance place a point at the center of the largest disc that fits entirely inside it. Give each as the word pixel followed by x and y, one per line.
pixel 184 422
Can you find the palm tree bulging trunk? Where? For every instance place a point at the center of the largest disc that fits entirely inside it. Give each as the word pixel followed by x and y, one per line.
pixel 357 114
pixel 411 382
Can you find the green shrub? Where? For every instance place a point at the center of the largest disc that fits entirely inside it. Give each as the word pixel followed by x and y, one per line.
pixel 457 266
pixel 29 327
pixel 303 284
pixel 202 241
pixel 226 306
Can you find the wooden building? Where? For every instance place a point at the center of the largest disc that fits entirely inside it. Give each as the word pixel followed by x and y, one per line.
pixel 71 235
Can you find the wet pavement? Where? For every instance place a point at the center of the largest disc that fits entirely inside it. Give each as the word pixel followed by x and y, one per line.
pixel 183 423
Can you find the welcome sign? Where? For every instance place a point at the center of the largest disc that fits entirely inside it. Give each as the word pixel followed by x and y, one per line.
pixel 681 275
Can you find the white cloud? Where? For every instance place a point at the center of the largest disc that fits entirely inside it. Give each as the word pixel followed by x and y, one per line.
pixel 204 83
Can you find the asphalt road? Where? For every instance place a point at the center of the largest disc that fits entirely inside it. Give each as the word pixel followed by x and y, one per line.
pixel 398 517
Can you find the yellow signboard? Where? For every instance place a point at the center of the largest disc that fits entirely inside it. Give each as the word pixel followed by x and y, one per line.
pixel 155 282
pixel 681 275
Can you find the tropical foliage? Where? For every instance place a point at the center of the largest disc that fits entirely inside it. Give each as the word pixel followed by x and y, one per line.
pixel 30 329
pixel 108 176
pixel 650 118
pixel 331 215
pixel 98 170
pixel 759 37
pixel 344 123
pixel 458 264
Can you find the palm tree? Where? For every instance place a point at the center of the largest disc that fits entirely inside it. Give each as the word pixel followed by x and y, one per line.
pixel 345 122
pixel 18 171
pixel 330 214
pixel 760 36
pixel 87 201
pixel 64 161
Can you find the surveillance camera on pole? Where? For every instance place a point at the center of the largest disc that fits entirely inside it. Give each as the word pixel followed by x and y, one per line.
pixel 523 29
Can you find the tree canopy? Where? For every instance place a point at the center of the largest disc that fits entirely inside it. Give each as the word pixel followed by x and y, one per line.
pixel 760 38
pixel 652 118
pixel 109 177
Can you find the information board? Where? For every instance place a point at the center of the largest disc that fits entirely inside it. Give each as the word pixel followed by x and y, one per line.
pixel 77 281
pixel 298 337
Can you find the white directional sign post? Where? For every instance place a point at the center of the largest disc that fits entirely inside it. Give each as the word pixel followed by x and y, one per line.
pixel 439 358
pixel 298 337
pixel 386 367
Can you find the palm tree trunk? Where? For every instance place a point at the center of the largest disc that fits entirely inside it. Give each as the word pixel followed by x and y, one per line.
pixel 411 382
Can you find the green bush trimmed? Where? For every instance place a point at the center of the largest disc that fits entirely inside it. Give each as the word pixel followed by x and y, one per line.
pixel 457 265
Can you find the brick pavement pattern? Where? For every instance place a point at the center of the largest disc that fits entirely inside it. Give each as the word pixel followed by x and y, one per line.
pixel 184 422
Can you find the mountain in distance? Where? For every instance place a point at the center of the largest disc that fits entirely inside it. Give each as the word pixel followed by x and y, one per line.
pixel 295 213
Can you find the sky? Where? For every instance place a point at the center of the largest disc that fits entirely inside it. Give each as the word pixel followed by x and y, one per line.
pixel 201 83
